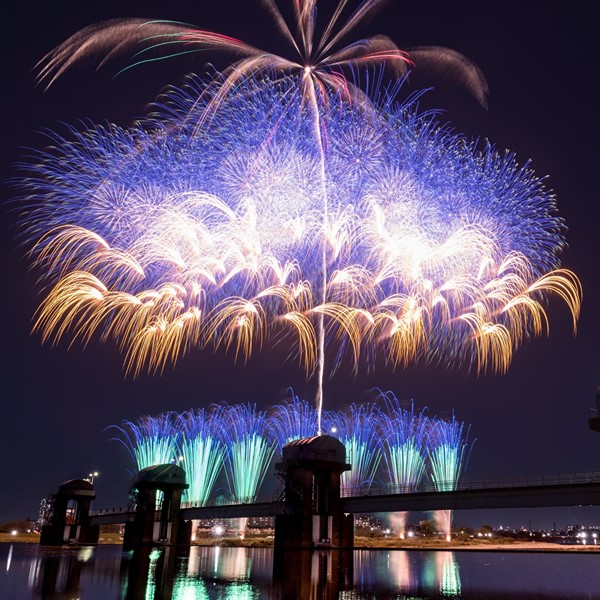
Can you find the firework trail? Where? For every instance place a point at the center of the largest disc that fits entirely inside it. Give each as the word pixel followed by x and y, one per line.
pixel 291 420
pixel 278 199
pixel 357 428
pixel 448 452
pixel 151 440
pixel 248 451
pixel 202 454
pixel 404 436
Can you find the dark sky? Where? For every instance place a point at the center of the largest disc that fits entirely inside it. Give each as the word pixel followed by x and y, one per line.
pixel 541 65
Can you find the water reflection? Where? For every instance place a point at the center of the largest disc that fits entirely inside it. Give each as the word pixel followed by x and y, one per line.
pixel 148 573
pixel 318 575
pixel 431 574
pixel 448 574
pixel 106 573
pixel 58 575
pixel 170 573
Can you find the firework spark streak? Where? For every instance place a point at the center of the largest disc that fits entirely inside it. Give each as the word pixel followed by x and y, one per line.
pixel 292 420
pixel 277 199
pixel 169 238
pixel 358 429
pixel 202 454
pixel 151 441
pixel 448 451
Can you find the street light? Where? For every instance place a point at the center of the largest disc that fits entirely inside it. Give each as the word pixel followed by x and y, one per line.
pixel 91 476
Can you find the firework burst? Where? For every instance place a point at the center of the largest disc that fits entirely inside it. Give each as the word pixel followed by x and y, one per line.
pixel 278 199
pixel 404 436
pixel 166 238
pixel 243 429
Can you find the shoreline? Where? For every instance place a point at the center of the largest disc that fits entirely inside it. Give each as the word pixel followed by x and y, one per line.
pixel 365 544
pixel 514 547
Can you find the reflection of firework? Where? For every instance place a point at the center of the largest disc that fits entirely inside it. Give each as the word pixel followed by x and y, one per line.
pixel 190 235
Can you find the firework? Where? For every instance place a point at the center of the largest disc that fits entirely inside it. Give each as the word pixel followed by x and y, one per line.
pixel 170 239
pixel 201 454
pixel 317 65
pixel 318 54
pixel 357 429
pixel 448 453
pixel 279 199
pixel 404 437
pixel 248 450
pixel 151 440
pixel 291 420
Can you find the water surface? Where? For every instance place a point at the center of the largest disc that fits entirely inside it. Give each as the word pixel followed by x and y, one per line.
pixel 28 571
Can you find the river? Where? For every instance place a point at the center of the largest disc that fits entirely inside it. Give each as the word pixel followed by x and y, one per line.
pixel 105 572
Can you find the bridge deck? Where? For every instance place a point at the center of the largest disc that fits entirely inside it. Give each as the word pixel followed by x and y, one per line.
pixel 579 494
pixel 581 489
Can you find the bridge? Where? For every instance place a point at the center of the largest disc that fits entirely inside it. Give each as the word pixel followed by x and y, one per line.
pixel 574 489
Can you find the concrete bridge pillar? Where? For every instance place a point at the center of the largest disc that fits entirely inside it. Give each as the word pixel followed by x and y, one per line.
pixel 68 521
pixel 311 469
pixel 157 519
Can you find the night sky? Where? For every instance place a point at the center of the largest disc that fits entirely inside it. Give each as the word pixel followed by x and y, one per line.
pixel 541 66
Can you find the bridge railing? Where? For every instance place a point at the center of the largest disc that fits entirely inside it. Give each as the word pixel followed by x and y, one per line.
pixel 210 503
pixel 110 511
pixel 477 484
pixel 382 490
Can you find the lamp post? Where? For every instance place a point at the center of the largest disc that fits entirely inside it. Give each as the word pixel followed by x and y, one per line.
pixel 91 476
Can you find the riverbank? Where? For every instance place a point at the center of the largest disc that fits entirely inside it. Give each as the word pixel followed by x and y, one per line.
pixel 506 544
pixel 361 543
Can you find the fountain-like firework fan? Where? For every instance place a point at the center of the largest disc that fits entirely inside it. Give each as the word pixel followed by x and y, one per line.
pixel 202 453
pixel 448 451
pixel 151 440
pixel 291 420
pixel 404 436
pixel 357 428
pixel 248 449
